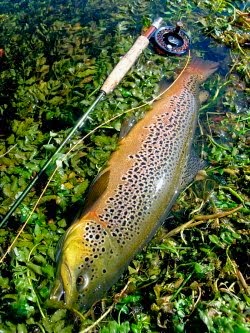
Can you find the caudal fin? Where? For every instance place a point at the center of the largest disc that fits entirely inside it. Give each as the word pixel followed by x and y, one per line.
pixel 203 68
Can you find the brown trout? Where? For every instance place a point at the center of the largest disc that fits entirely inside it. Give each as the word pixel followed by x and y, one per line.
pixel 130 199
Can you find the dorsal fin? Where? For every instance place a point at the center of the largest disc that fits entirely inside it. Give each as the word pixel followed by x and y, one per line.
pixel 97 188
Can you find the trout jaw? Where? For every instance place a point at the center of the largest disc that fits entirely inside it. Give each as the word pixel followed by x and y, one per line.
pixel 72 279
pixel 69 283
pixel 57 291
pixel 64 289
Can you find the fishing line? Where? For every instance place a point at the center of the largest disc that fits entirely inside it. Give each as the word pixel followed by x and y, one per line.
pixel 75 145
pixel 8 151
pixel 31 284
pixel 166 40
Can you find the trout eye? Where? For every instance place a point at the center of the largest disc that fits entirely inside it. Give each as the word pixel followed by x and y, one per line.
pixel 82 282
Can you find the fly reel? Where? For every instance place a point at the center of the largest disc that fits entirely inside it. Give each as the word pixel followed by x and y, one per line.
pixel 170 40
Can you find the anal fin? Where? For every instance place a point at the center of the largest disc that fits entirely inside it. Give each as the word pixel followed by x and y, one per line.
pixel 192 166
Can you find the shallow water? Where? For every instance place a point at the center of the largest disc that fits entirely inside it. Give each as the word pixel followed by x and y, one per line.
pixel 56 56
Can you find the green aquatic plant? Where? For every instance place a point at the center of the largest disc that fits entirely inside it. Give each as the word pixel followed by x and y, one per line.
pixel 193 275
pixel 231 28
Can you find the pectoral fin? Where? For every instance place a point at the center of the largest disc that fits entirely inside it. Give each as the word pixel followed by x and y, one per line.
pixel 97 188
pixel 126 127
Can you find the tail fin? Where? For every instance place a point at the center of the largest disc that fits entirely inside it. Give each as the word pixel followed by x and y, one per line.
pixel 203 68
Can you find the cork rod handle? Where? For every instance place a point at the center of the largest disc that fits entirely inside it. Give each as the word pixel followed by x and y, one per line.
pixel 129 59
pixel 125 64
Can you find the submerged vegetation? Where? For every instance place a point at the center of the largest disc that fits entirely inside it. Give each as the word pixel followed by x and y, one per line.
pixel 194 274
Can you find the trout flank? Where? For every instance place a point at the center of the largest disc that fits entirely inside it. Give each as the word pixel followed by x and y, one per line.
pixel 132 196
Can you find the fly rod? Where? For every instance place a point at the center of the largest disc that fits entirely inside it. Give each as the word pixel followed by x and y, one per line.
pixel 117 74
pixel 167 40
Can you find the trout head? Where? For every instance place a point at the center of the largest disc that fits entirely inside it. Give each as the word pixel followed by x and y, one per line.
pixel 82 273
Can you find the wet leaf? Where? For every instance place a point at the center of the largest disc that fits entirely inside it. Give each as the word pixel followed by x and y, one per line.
pixel 52 51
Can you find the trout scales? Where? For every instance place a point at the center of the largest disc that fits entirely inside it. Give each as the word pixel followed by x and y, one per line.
pixel 132 196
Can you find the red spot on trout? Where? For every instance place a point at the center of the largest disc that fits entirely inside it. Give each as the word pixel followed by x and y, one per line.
pixel 133 195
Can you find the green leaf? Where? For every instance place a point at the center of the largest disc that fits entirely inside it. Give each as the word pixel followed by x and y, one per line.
pixel 114 327
pixel 58 315
pixel 56 100
pixel 21 328
pixel 48 270
pixel 4 283
pixel 35 268
pixel 85 73
pixel 215 239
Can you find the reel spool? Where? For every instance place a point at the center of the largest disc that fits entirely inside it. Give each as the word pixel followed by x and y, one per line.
pixel 170 40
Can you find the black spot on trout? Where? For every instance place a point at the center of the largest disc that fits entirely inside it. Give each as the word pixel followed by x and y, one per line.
pixel 132 196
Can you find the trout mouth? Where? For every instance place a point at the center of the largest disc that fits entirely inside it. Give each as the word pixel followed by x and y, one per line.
pixel 69 294
pixel 57 293
pixel 63 290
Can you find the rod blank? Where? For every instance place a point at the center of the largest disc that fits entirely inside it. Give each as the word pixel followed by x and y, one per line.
pixel 109 85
